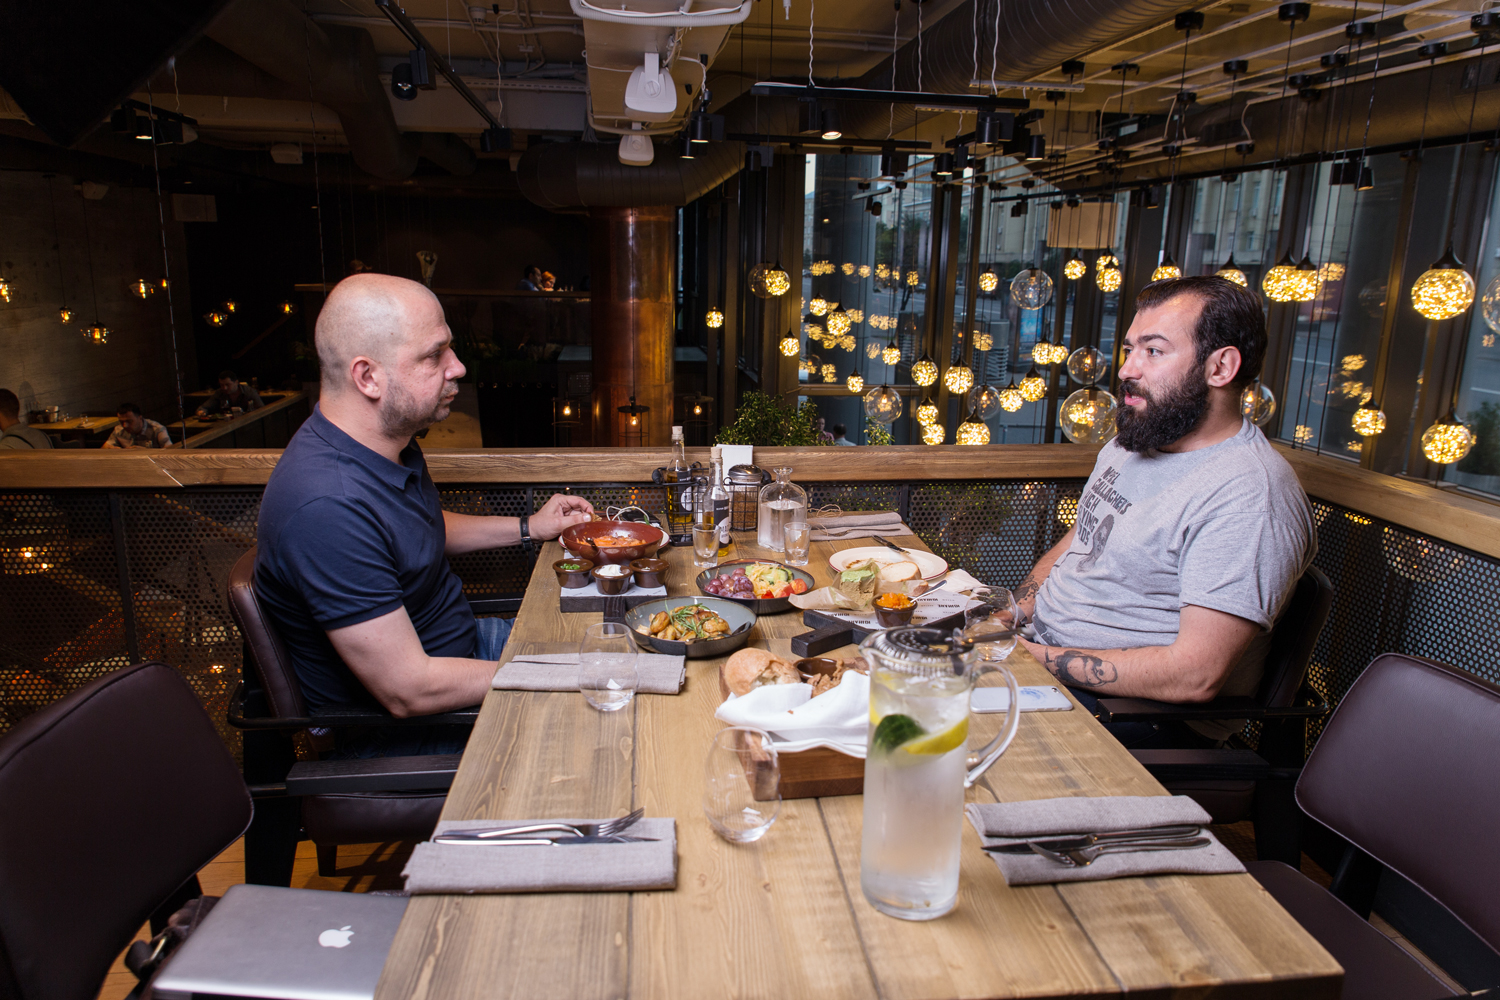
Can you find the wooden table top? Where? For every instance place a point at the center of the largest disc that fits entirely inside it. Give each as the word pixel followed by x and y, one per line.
pixel 97 425
pixel 784 917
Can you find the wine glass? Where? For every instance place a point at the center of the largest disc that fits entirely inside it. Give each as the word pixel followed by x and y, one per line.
pixel 742 784
pixel 993 623
pixel 606 666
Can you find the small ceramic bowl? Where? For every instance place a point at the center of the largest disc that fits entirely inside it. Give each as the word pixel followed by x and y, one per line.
pixel 892 617
pixel 649 573
pixel 572 579
pixel 612 578
pixel 811 667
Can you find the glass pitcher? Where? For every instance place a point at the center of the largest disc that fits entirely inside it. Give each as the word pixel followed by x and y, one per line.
pixel 918 764
pixel 781 503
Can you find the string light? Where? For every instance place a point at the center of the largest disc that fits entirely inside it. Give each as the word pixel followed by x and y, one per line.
pixel 838 322
pixel 818 307
pixel 848 269
pixel 1107 273
pixel 790 346
pixel 1443 291
pixel 830 373
pixel 891 354
pixel 934 433
pixel 972 431
pixel 715 318
pixel 1308 281
pixel 1447 441
pixel 926 412
pixel 1368 420
pixel 913 279
pixel 1011 399
pixel 855 315
pixel 1033 387
pixel 768 282
pixel 1042 352
pixel 1075 268
pixel 988 279
pixel 820 268
pixel 1168 269
pixel 959 378
pixel 1331 271
pixel 864 270
pixel 983 341
pixel 872 350
pixel 924 372
pixel 856 383
pixel 1231 272
pixel 1280 282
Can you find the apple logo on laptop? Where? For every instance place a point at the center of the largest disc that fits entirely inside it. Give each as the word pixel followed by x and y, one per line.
pixel 339 938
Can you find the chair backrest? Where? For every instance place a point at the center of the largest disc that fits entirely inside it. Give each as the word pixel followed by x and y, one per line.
pixel 110 799
pixel 268 654
pixel 1405 771
pixel 1293 638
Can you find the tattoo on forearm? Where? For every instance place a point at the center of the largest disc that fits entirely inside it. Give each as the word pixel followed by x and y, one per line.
pixel 1080 669
pixel 1027 589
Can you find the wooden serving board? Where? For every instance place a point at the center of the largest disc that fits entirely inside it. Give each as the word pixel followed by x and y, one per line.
pixel 589 599
pixel 806 774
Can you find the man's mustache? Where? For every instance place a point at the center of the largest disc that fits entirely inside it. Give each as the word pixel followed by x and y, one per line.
pixel 1130 387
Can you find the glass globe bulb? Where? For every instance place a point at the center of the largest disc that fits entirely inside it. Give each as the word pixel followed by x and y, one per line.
pixel 1109 279
pixel 983 341
pixel 882 271
pixel 1011 399
pixel 1087 365
pixel 1443 291
pixel 1033 387
pixel 1075 268
pixel 142 289
pixel 776 282
pixel 913 279
pixel 790 347
pixel 1031 289
pixel 1491 305
pixel 1258 403
pixel 856 383
pixel 1229 272
pixel 972 431
pixel 830 373
pixel 924 372
pixel 847 342
pixel 847 268
pixel 1368 420
pixel 1106 259
pixel 891 354
pixel 65 315
pixel 838 322
pixel 959 378
pixel 1447 441
pixel 97 334
pixel 715 318
pixel 988 280
pixel 984 401
pixel 1041 353
pixel 1088 416
pixel 934 433
pixel 1309 281
pixel 1059 354
pixel 1280 282
pixel 926 412
pixel 864 270
pixel 855 315
pixel 883 404
pixel 1331 271
pixel 1167 269
pixel 818 307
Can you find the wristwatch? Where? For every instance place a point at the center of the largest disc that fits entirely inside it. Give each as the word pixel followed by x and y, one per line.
pixel 526 533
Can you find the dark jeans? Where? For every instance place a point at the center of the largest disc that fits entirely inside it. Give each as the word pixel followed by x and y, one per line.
pixel 1148 735
pixel 418 741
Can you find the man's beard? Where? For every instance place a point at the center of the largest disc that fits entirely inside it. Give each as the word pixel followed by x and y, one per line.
pixel 1168 417
pixel 403 415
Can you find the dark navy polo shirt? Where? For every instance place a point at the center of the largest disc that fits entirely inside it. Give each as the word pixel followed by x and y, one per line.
pixel 347 535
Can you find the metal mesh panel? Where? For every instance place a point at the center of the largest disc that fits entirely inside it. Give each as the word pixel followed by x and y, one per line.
pixel 868 496
pixel 493 571
pixel 994 530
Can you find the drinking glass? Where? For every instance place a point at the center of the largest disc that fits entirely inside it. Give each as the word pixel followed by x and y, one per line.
pixel 705 547
pixel 606 666
pixel 992 625
pixel 742 784
pixel 798 538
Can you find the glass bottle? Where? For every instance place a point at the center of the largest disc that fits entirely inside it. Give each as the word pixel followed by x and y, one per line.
pixel 781 503
pixel 718 495
pixel 678 471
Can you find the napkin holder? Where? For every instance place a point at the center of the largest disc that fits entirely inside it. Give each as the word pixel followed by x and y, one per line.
pixel 806 774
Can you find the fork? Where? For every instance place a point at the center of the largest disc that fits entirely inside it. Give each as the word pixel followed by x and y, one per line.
pixel 608 828
pixel 1083 857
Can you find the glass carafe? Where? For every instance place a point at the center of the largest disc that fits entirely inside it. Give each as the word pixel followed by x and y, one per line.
pixel 918 764
pixel 781 503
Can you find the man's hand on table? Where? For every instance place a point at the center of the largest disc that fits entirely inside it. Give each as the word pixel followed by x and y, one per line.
pixel 560 512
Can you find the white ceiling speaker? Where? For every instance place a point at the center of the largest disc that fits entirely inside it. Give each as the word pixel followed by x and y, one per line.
pixel 636 149
pixel 651 90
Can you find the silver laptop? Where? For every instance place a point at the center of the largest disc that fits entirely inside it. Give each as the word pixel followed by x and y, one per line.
pixel 285 944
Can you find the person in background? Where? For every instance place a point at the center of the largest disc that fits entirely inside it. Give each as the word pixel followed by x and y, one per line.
pixel 232 393
pixel 548 282
pixel 14 434
pixel 839 432
pixel 821 431
pixel 136 431
pixel 531 280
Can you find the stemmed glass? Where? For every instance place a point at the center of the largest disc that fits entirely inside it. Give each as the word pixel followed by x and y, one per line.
pixel 606 666
pixel 993 624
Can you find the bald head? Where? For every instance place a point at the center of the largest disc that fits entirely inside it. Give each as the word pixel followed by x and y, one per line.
pixel 372 316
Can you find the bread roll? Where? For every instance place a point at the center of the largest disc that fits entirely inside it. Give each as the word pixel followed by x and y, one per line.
pixel 751 668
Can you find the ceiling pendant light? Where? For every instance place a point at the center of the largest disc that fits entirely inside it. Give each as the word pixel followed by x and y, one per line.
pixel 924 371
pixel 838 321
pixel 1011 399
pixel 983 341
pixel 65 314
pixel 1033 387
pixel 972 431
pixel 715 318
pixel 1031 288
pixel 1167 269
pixel 891 354
pixel 830 373
pixel 1107 273
pixel 926 412
pixel 988 279
pixel 855 382
pixel 872 350
pixel 1043 352
pixel 96 334
pixel 1087 416
pixel 216 318
pixel 913 278
pixel 958 378
pixel 790 346
pixel 230 305
pixel 984 401
pixel 1369 419
pixel 768 281
pixel 1087 365
pixel 1443 291
pixel 1447 441
pixel 818 307
pixel 1231 272
pixel 1280 282
pixel 142 289
pixel 1258 404
pixel 1309 281
pixel 883 404
pixel 933 433
pixel 1075 268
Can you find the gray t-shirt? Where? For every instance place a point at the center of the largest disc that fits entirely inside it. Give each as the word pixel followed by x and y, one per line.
pixel 23 438
pixel 1226 527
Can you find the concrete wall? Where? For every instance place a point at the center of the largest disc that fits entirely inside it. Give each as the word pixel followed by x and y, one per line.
pixel 46 362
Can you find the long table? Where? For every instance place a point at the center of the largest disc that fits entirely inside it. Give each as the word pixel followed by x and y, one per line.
pixel 784 917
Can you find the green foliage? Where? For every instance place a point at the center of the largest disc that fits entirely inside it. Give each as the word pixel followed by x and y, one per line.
pixel 1484 459
pixel 877 433
pixel 769 423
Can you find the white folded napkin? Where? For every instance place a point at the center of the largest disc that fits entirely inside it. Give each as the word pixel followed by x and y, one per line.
pixel 838 719
pixel 1000 823
pixel 658 673
pixel 960 581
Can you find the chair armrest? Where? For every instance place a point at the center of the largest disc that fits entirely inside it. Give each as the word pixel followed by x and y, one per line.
pixel 243 703
pixel 1210 765
pixel 378 774
pixel 1145 710
pixel 501 604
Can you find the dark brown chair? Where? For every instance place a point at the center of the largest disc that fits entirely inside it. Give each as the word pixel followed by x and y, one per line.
pixel 1238 783
pixel 400 799
pixel 111 800
pixel 1404 772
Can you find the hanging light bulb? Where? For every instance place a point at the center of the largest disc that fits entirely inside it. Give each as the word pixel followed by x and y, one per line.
pixel 790 346
pixel 1491 304
pixel 847 343
pixel 988 279
pixel 1331 271
pixel 848 269
pixel 288 307
pixel 1308 281
pixel 142 289
pixel 1041 353
pixel 1011 399
pixel 913 279
pixel 855 315
pixel 4 289
pixel 926 412
pixel 1443 291
pixel 96 334
pixel 65 314
pixel 984 401
pixel 1447 441
pixel 1088 416
pixel 855 382
pixel 1258 404
pixel 959 378
pixel 768 281
pixel 1059 354
pixel 1106 259
pixel 838 322
pixel 872 350
pixel 1167 269
pixel 864 270
pixel 883 404
pixel 1075 268
pixel 1033 387
pixel 230 305
pixel 1031 288
pixel 934 433
pixel 1231 272
pixel 1280 282
pixel 983 341
pixel 972 431
pixel 830 373
pixel 164 282
pixel 216 318
pixel 818 307
pixel 1087 365
pixel 891 354
pixel 924 372
pixel 715 318
pixel 1369 419
pixel 1109 278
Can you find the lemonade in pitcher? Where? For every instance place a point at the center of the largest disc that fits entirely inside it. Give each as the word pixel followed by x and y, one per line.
pixel 917 767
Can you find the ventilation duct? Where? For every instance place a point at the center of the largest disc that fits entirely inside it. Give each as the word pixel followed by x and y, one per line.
pixel 564 175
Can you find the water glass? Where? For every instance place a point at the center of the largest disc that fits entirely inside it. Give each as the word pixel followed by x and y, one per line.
pixel 606 666
pixel 993 624
pixel 798 538
pixel 705 546
pixel 742 784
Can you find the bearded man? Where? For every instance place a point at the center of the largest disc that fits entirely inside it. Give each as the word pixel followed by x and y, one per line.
pixel 351 564
pixel 1191 533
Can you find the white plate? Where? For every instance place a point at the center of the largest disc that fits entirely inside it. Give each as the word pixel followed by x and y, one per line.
pixel 928 565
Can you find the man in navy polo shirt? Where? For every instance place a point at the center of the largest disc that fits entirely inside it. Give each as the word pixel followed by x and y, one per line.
pixel 352 540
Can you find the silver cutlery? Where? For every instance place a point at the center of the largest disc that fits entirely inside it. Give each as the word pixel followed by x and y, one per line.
pixel 459 839
pixel 1082 858
pixel 607 828
pixel 1084 840
pixel 889 544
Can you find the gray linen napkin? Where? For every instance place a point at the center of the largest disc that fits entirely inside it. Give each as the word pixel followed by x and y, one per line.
pixel 1015 822
pixel 857 524
pixel 449 868
pixel 658 673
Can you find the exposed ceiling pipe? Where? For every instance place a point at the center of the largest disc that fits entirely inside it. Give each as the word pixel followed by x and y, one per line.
pixel 568 175
pixel 336 66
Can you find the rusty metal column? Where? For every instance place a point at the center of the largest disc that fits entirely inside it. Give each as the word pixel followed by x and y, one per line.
pixel 631 311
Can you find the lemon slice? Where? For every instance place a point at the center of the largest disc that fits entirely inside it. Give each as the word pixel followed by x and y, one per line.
pixel 951 738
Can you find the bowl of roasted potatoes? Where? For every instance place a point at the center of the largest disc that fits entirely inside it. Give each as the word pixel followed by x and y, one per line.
pixel 695 627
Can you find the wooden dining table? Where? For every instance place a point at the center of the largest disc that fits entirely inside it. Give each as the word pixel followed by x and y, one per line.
pixel 784 917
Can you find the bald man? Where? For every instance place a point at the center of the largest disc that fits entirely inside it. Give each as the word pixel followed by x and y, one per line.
pixel 352 563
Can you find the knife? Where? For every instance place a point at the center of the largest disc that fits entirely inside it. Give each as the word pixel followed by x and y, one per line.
pixel 1082 840
pixel 472 840
pixel 889 544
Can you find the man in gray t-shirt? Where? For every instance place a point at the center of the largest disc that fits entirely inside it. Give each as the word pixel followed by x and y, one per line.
pixel 1191 532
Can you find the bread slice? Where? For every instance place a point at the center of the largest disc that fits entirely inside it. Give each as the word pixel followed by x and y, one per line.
pixel 751 668
pixel 899 572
